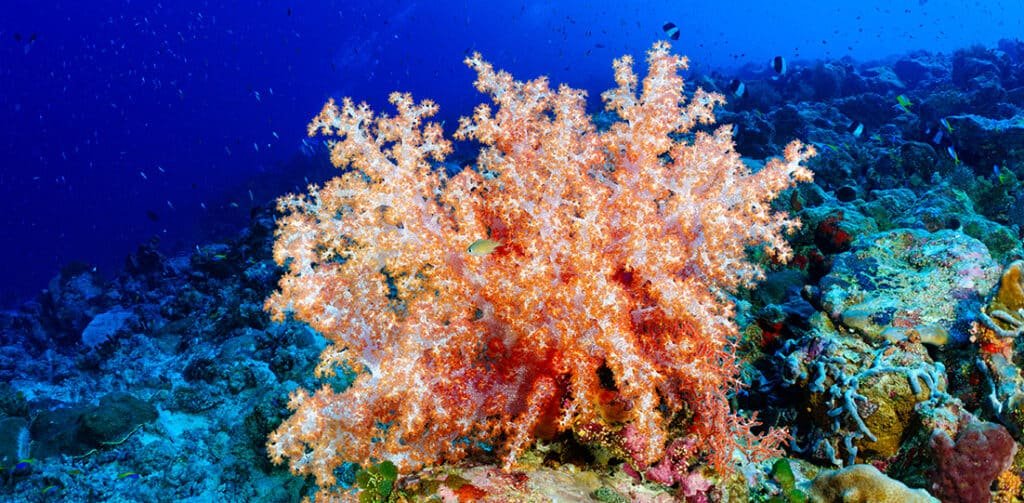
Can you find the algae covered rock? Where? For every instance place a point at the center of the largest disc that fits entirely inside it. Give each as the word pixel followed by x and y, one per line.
pixel 893 284
pixel 117 416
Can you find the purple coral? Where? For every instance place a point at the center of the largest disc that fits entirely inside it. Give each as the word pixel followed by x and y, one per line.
pixel 966 468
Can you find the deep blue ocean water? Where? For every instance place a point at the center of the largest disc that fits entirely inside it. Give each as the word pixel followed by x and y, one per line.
pixel 127 120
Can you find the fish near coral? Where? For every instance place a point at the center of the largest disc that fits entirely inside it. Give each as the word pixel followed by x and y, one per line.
pixel 483 247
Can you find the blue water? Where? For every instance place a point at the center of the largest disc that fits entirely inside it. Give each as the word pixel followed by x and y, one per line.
pixel 125 120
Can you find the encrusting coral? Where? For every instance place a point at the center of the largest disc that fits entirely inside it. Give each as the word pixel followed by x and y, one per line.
pixel 602 304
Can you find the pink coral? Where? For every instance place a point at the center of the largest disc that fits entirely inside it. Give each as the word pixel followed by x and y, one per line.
pixel 616 251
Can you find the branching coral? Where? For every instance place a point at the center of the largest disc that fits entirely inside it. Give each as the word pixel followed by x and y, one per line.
pixel 616 251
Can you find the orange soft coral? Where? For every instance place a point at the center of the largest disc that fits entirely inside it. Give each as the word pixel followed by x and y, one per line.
pixel 616 250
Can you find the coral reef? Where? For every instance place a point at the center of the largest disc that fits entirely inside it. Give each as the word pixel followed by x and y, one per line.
pixel 578 299
pixel 1000 325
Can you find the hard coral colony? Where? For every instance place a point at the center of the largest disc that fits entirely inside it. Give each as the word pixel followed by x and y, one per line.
pixel 617 251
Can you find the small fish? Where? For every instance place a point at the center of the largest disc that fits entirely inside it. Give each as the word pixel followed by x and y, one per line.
pixel 671 30
pixel 937 138
pixel 737 88
pixel 128 475
pixel 250 195
pixel 778 64
pixel 23 464
pixel 831 147
pixel 31 39
pixel 1001 175
pixel 952 153
pixel 275 135
pixel 169 205
pixel 856 128
pixel 483 247
pixel 255 146
pixel 202 205
pixel 143 175
pixel 903 102
pixel 945 123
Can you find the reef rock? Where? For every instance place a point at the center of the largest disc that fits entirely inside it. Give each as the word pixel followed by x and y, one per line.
pixel 908 281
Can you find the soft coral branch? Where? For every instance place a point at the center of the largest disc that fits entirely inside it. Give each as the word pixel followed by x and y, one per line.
pixel 617 251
